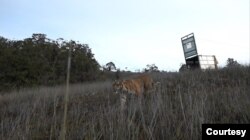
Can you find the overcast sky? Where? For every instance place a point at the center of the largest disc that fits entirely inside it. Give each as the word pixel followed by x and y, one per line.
pixel 134 33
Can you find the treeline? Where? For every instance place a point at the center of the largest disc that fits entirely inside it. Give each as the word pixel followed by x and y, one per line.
pixel 42 61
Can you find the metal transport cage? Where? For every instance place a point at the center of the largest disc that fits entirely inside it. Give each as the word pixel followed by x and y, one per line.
pixel 193 60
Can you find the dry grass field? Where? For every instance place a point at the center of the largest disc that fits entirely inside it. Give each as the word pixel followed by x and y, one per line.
pixel 175 110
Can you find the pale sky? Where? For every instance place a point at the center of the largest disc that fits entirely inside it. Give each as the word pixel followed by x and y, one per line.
pixel 134 33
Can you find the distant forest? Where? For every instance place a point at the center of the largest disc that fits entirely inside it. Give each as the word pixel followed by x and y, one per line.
pixel 42 61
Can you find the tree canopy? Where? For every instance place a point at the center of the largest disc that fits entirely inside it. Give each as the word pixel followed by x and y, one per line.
pixel 39 60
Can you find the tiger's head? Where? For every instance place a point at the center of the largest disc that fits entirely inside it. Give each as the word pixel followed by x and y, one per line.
pixel 117 87
pixel 124 86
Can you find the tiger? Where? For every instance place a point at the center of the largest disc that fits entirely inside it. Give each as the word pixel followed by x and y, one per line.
pixel 135 86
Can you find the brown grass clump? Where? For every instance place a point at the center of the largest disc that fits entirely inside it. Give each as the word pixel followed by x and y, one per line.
pixel 176 110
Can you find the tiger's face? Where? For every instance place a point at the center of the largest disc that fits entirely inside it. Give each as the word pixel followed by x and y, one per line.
pixel 117 87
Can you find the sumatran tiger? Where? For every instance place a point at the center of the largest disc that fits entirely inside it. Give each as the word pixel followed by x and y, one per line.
pixel 136 86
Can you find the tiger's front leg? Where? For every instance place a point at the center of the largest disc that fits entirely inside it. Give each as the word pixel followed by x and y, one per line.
pixel 123 99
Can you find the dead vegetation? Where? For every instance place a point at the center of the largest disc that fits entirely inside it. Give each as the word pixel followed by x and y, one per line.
pixel 175 111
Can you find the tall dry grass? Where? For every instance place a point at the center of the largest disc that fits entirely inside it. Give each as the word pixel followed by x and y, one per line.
pixel 175 110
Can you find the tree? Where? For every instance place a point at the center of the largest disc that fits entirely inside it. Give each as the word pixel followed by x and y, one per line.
pixel 151 68
pixel 232 63
pixel 39 60
pixel 110 66
pixel 39 38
